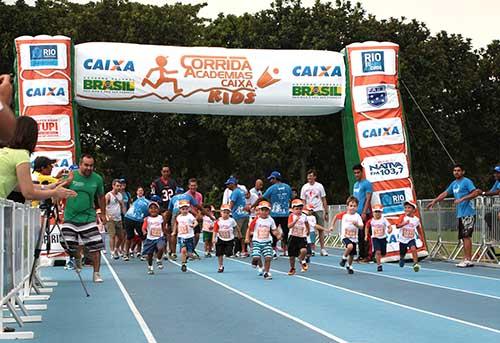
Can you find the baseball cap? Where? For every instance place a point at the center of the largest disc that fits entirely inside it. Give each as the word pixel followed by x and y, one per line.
pixel 42 162
pixel 264 204
pixel 411 203
pixel 225 207
pixel 275 175
pixel 377 208
pixel 156 198
pixel 297 203
pixel 153 203
pixel 231 180
pixel 179 190
pixel 123 180
pixel 184 203
pixel 497 169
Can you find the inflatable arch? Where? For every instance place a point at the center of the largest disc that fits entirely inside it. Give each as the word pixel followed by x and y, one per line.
pixel 52 76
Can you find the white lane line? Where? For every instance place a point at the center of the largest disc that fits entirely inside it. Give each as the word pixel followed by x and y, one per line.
pixel 410 280
pixel 267 306
pixel 142 323
pixel 386 301
pixel 440 271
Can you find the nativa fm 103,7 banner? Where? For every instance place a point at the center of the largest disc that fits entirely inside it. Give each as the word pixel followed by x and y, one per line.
pixel 203 80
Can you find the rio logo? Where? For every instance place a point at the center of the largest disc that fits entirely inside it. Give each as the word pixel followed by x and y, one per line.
pixel 373 61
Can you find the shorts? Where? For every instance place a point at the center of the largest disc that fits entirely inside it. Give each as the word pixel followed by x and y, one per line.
pixel 346 242
pixel 320 217
pixel 283 222
pixel 207 236
pixel 224 247
pixel 188 243
pixel 403 247
pixel 312 236
pixel 264 249
pixel 197 229
pixel 114 228
pixel 380 244
pixel 243 226
pixel 82 234
pixel 133 227
pixel 295 244
pixel 150 246
pixel 466 226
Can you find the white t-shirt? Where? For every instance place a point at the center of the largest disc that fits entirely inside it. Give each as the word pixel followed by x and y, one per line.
pixel 349 228
pixel 154 227
pixel 224 228
pixel 312 222
pixel 313 194
pixel 185 225
pixel 227 194
pixel 409 231
pixel 113 208
pixel 261 229
pixel 299 229
pixel 208 224
pixel 250 201
pixel 379 227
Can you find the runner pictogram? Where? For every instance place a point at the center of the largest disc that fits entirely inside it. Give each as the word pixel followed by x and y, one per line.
pixel 162 61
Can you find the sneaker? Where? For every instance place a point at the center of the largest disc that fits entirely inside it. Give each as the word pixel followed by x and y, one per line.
pixel 125 257
pixel 324 252
pixel 97 277
pixel 260 271
pixel 469 263
pixel 291 271
pixel 173 257
pixel 165 257
pixel 379 268
pixel 462 264
pixel 209 255
pixel 275 255
pixel 305 267
pixel 159 263
pixel 70 264
pixel 313 253
pixel 143 258
pixel 195 255
pixel 221 269
pixel 402 262
pixel 238 254
pixel 116 256
pixel 150 270
pixel 184 268
pixel 244 254
pixel 138 254
pixel 416 267
pixel 350 270
pixel 206 254
pixel 343 262
pixel 268 276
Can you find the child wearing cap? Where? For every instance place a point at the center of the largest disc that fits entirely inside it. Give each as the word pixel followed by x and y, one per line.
pixel 184 230
pixel 313 227
pixel 299 230
pixel 155 230
pixel 208 229
pixel 351 222
pixel 408 225
pixel 378 227
pixel 223 238
pixel 261 228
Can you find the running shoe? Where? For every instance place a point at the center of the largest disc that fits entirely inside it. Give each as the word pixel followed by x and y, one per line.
pixel 140 255
pixel 70 264
pixel 343 262
pixel 209 255
pixel 150 270
pixel 206 254
pixel 159 263
pixel 260 271
pixel 402 262
pixel 350 270
pixel 184 268
pixel 125 257
pixel 313 253
pixel 131 255
pixel 116 256
pixel 173 257
pixel 244 254
pixel 221 269
pixel 416 267
pixel 305 267
pixel 291 271
pixel 97 277
pixel 143 258
pixel 238 254
pixel 268 276
pixel 379 268
pixel 275 256
pixel 469 263
pixel 324 252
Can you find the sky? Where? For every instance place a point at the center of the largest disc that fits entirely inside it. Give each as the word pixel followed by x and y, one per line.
pixel 478 19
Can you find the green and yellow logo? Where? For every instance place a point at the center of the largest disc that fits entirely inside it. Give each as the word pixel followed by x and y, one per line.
pixel 316 91
pixel 109 85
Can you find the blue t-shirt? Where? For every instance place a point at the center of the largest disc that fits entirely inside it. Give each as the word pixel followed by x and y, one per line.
pixel 239 203
pixel 458 189
pixel 173 205
pixel 359 190
pixel 496 186
pixel 138 210
pixel 126 199
pixel 279 195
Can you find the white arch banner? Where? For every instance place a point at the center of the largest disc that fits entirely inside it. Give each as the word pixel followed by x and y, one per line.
pixel 202 80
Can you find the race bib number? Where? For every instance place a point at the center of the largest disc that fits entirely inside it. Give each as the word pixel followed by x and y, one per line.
pixel 207 226
pixel 408 233
pixel 225 234
pixel 263 232
pixel 298 231
pixel 156 230
pixel 378 231
pixel 183 229
pixel 351 233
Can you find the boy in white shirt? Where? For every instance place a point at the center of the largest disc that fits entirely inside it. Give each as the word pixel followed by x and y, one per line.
pixel 351 222
pixel 261 228
pixel 223 237
pixel 184 229
pixel 208 229
pixel 408 225
pixel 299 231
pixel 155 230
pixel 378 227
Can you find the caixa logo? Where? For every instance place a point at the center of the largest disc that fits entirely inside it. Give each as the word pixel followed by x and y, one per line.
pixel 109 65
pixel 46 91
pixel 321 71
pixel 373 61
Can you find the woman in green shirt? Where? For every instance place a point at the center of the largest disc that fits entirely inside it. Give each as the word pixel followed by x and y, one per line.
pixel 15 165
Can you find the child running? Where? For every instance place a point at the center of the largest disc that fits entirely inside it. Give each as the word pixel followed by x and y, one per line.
pixel 299 230
pixel 408 225
pixel 208 229
pixel 155 230
pixel 261 228
pixel 378 227
pixel 184 229
pixel 223 238
pixel 313 227
pixel 351 222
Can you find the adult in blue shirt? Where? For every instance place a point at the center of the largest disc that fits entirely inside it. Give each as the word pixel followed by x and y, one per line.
pixel 133 219
pixel 241 213
pixel 363 190
pixel 279 195
pixel 463 190
pixel 488 216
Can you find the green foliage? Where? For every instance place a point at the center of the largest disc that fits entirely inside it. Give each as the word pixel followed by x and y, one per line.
pixel 457 88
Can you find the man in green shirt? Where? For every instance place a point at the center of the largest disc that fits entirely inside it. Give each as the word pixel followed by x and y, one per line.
pixel 80 226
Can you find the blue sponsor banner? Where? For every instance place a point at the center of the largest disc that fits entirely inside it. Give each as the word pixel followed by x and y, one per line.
pixel 373 61
pixel 393 201
pixel 43 55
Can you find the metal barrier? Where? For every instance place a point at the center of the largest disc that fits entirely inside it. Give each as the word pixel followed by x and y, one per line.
pixel 19 225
